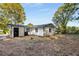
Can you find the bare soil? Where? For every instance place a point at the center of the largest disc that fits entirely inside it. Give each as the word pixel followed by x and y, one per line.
pixel 58 45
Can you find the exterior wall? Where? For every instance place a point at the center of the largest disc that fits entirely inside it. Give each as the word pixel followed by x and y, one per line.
pixel 25 29
pixel 46 31
pixel 11 34
pixel 33 32
pixel 21 31
pixel 41 31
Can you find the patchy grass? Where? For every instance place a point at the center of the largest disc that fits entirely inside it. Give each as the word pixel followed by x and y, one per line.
pixel 58 45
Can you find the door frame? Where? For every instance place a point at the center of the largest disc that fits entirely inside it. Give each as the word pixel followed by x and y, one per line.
pixel 16 32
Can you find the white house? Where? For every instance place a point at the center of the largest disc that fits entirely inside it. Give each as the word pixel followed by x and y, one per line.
pixel 40 30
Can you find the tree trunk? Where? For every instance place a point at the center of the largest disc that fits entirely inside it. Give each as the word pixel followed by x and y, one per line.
pixel 63 30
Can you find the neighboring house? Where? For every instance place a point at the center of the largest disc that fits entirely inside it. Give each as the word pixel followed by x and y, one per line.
pixel 40 30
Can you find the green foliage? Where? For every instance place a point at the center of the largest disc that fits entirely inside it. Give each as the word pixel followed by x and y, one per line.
pixel 64 14
pixel 73 30
pixel 10 13
pixel 30 25
pixel 3 24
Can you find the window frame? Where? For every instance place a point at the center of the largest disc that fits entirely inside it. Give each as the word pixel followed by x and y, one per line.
pixel 50 30
pixel 36 29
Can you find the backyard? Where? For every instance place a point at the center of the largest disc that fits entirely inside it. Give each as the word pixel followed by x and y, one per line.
pixel 58 45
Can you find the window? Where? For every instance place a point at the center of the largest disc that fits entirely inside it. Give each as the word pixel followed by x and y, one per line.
pixel 49 29
pixel 36 29
pixel 27 29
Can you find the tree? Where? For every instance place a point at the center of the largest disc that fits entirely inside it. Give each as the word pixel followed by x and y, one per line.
pixel 72 30
pixel 64 14
pixel 10 13
pixel 30 25
pixel 3 24
pixel 13 12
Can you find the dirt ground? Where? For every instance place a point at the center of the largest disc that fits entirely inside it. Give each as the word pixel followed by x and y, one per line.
pixel 58 45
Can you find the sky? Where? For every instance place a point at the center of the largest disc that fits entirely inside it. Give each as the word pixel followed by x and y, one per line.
pixel 42 13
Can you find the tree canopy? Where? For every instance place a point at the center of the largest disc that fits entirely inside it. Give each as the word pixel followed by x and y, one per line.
pixel 30 25
pixel 11 13
pixel 64 14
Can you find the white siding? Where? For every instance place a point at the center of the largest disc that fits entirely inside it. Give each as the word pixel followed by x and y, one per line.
pixel 46 32
pixel 31 31
pixel 11 31
pixel 21 31
pixel 39 33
